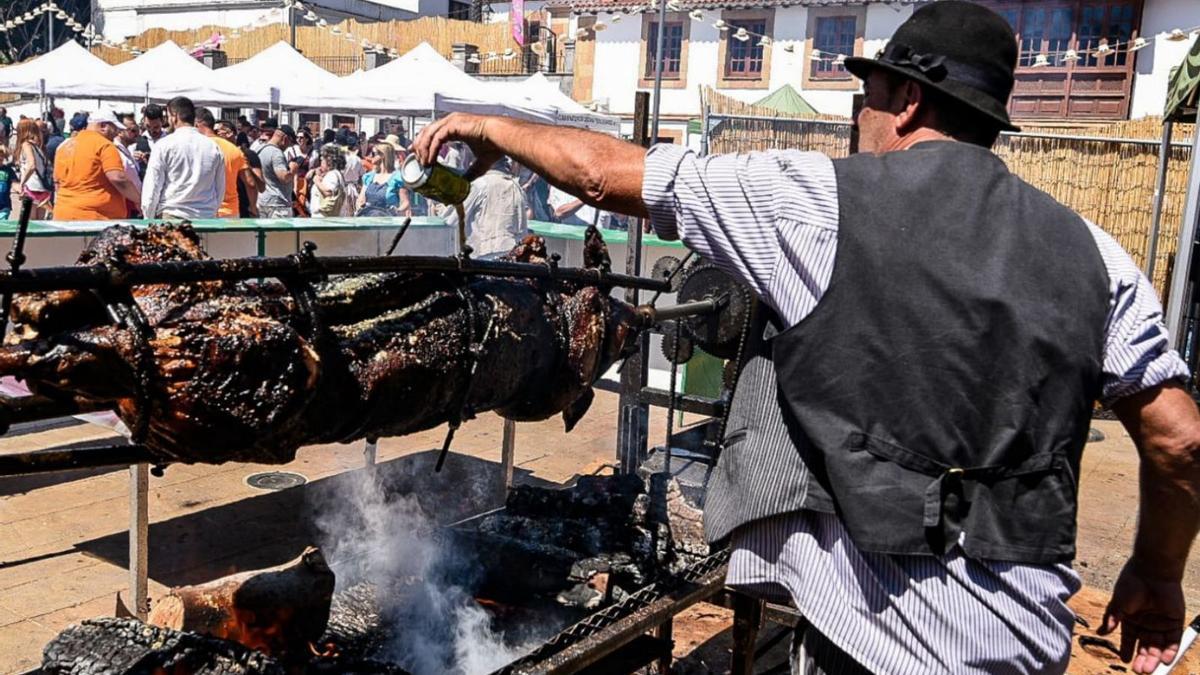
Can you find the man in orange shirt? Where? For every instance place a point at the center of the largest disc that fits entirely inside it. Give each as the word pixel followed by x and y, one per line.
pixel 236 166
pixel 90 175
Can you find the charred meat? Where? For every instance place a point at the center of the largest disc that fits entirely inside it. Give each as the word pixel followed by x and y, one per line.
pixel 250 371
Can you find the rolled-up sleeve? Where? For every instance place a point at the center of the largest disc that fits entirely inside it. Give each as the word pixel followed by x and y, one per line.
pixel 768 218
pixel 1137 347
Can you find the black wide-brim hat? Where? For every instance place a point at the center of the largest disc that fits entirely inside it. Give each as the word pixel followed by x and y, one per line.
pixel 961 49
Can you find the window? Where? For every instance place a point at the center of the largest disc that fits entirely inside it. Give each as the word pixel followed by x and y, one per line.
pixel 459 10
pixel 675 50
pixel 834 35
pixel 744 58
pixel 1050 83
pixel 672 53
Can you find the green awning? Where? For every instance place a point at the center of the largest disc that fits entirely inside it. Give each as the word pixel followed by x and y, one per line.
pixel 1184 87
pixel 788 101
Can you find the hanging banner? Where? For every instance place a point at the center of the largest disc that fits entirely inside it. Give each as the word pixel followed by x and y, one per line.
pixel 517 18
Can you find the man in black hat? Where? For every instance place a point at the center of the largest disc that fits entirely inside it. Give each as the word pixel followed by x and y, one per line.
pixel 904 448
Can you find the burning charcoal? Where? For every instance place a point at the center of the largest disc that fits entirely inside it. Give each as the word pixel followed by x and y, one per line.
pixel 355 627
pixel 245 371
pixel 130 647
pixel 581 596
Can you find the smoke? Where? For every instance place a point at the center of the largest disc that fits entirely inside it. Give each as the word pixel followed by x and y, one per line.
pixel 423 583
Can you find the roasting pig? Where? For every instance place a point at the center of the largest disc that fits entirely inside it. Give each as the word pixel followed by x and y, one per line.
pixel 252 370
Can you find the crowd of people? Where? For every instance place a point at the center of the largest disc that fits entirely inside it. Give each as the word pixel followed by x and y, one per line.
pixel 179 161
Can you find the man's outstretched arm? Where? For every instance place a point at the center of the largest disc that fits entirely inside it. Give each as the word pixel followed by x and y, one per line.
pixel 1148 600
pixel 603 171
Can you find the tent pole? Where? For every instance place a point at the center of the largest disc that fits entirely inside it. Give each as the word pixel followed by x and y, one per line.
pixel 1160 186
pixel 1178 298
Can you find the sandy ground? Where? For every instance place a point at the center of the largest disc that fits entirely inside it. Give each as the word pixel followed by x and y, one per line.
pixel 64 546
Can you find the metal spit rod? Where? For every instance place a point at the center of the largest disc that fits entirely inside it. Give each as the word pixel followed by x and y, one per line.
pixel 65 459
pixel 107 276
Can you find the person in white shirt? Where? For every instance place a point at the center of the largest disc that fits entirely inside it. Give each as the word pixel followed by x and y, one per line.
pixel 495 211
pixel 185 178
pixel 572 211
pixel 266 129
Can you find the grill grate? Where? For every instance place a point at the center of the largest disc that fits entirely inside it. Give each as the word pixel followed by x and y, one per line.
pixel 597 622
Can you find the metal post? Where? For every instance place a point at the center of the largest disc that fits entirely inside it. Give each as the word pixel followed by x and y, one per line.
pixel 139 538
pixel 292 23
pixel 658 67
pixel 1180 276
pixel 1160 186
pixel 633 422
pixel 49 32
pixel 704 128
pixel 508 454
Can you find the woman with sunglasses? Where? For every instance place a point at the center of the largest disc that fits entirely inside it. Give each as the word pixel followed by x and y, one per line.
pixel 383 190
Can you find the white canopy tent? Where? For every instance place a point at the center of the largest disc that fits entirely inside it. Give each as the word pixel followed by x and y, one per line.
pixel 410 84
pixel 56 73
pixel 278 76
pixel 570 112
pixel 536 99
pixel 421 82
pixel 167 71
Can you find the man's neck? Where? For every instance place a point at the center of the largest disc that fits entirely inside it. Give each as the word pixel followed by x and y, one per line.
pixel 181 126
pixel 919 136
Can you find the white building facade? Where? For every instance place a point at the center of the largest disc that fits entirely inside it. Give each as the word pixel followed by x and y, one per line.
pixel 120 19
pixel 615 42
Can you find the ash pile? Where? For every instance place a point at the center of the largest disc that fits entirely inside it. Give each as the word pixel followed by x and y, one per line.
pixel 619 533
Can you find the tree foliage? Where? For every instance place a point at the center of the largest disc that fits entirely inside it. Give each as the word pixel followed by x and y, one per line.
pixel 30 38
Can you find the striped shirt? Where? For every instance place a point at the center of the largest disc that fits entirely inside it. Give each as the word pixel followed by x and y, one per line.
pixel 771 220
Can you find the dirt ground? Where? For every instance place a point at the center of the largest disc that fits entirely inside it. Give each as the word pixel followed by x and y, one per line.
pixel 64 544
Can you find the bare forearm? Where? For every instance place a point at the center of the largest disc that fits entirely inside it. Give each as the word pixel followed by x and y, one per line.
pixel 1165 425
pixel 601 170
pixel 124 186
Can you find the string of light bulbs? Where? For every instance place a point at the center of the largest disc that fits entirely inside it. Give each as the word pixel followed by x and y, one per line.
pixel 55 12
pixel 1103 49
pixel 306 13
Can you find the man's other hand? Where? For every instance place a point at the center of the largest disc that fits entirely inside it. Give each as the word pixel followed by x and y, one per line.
pixel 470 129
pixel 1150 613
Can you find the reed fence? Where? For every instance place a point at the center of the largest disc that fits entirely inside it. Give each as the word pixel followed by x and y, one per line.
pixel 321 44
pixel 1105 173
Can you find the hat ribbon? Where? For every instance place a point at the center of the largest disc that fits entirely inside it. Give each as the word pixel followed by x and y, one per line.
pixel 932 65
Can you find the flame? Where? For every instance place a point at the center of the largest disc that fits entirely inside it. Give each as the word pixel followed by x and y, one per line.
pixel 328 651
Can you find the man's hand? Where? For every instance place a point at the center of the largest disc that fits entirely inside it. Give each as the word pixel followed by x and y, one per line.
pixel 470 129
pixel 1150 613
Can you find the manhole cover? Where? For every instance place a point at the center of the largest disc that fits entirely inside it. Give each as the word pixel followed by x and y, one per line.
pixel 275 480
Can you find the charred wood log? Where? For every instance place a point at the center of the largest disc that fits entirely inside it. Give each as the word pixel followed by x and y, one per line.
pixel 623 531
pixel 130 647
pixel 245 371
pixel 279 611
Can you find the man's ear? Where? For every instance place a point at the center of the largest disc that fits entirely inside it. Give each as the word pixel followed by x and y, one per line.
pixel 911 108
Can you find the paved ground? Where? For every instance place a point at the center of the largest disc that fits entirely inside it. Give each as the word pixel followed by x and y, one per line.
pixel 63 544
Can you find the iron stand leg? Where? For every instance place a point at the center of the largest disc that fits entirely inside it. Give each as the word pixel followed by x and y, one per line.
pixel 370 453
pixel 139 538
pixel 747 620
pixel 665 631
pixel 508 451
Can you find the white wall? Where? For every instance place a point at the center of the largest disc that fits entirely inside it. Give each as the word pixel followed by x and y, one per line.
pixel 120 19
pixel 618 52
pixel 1154 63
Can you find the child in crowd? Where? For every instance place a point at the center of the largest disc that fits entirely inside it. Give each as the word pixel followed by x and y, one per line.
pixel 8 180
